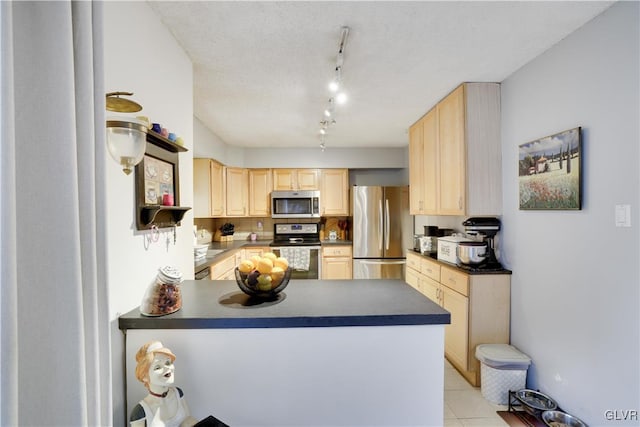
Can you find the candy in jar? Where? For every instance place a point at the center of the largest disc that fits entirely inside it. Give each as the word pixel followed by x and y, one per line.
pixel 163 295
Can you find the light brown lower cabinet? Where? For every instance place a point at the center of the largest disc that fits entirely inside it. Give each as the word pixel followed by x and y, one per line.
pixel 224 269
pixel 337 263
pixel 479 305
pixel 255 250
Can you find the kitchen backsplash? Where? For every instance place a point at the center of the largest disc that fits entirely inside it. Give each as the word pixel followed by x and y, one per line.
pixel 243 227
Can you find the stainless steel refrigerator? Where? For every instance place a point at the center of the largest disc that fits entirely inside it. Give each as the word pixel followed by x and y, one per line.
pixel 382 230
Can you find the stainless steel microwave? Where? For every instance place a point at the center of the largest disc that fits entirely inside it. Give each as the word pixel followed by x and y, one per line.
pixel 295 204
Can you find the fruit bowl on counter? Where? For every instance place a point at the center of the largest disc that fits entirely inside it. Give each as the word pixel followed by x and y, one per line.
pixel 263 277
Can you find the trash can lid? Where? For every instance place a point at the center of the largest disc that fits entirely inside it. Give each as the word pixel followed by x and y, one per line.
pixel 502 356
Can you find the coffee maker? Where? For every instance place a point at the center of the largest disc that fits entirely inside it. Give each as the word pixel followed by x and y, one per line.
pixel 486 228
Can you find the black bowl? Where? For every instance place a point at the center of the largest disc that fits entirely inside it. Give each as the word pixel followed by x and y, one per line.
pixel 247 284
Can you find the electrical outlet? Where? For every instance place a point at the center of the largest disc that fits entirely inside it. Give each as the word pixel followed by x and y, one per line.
pixel 623 215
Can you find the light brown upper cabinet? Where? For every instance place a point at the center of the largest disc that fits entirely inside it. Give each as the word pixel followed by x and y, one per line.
pixel 259 192
pixel 334 192
pixel 295 179
pixel 237 191
pixel 208 188
pixel 423 165
pixel 455 154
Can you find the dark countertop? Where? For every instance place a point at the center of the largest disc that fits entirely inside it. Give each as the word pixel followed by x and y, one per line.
pixel 461 269
pixel 227 247
pixel 328 242
pixel 303 303
pixel 200 265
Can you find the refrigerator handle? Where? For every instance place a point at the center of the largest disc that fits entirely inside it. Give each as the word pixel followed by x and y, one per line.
pixel 380 225
pixel 387 222
pixel 382 262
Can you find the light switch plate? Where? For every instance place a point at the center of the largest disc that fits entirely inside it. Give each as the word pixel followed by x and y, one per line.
pixel 623 215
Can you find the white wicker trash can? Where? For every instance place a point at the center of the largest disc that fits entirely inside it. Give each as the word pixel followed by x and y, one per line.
pixel 502 368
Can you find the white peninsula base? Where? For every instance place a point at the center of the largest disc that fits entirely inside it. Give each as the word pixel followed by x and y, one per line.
pixel 316 376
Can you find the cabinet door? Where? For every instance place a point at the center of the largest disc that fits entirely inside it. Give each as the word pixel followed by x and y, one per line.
pixel 338 268
pixel 259 192
pixel 221 269
pixel 218 189
pixel 430 163
pixel 229 275
pixel 335 192
pixel 451 145
pixel 237 193
pixel 284 179
pixel 416 168
pixel 307 179
pixel 201 188
pixel 456 334
pixel 208 188
pixel 239 256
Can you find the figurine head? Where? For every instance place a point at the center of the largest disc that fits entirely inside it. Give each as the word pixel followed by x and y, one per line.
pixel 155 364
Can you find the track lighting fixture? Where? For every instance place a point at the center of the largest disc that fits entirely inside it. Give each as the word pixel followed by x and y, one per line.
pixel 338 96
pixel 328 112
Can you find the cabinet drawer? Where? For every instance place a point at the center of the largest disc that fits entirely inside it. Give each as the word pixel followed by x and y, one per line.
pixel 336 251
pixel 430 269
pixel 219 268
pixel 249 252
pixel 455 280
pixel 412 278
pixel 431 289
pixel 413 261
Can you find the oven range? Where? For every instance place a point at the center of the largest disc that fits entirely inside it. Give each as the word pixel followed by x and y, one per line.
pixel 300 244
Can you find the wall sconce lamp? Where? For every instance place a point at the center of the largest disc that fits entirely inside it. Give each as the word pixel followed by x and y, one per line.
pixel 126 136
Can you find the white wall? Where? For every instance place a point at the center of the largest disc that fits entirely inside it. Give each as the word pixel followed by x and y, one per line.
pixel 141 56
pixel 209 145
pixel 575 285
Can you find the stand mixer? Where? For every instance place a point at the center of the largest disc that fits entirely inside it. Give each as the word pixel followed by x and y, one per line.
pixel 487 228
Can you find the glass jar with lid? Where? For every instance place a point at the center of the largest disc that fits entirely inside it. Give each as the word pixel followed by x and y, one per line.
pixel 163 295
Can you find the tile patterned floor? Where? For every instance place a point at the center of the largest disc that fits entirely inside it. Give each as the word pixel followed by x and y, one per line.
pixel 464 404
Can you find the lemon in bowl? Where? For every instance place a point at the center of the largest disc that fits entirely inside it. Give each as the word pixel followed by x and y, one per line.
pixel 263 277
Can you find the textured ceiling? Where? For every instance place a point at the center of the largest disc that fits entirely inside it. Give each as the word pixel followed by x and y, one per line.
pixel 261 68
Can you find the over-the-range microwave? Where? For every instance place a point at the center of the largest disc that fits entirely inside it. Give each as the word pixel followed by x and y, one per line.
pixel 295 204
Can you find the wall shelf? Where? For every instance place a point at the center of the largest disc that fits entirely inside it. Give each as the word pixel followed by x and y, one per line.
pixel 160 216
pixel 162 142
pixel 161 158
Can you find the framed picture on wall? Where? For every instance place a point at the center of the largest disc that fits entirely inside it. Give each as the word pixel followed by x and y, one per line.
pixel 549 172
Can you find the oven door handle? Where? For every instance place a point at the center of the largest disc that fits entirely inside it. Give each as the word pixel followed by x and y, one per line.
pixel 297 246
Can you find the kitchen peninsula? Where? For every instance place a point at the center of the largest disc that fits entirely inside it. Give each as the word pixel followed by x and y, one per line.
pixel 339 352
